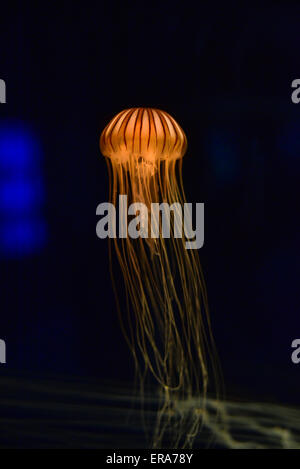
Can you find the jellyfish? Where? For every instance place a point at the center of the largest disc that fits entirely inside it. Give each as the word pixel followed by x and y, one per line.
pixel 167 325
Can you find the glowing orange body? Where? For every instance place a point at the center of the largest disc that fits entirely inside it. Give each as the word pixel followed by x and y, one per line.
pixel 146 132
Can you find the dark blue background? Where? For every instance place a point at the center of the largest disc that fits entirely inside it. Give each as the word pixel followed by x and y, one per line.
pixel 225 74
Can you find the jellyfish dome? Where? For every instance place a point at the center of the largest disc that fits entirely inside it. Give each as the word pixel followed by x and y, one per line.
pixel 147 133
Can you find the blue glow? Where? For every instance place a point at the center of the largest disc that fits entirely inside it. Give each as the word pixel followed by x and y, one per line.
pixel 19 196
pixel 23 230
pixel 18 149
pixel 289 142
pixel 223 156
pixel 22 237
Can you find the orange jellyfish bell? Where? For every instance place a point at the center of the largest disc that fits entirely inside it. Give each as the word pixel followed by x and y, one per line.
pixel 143 132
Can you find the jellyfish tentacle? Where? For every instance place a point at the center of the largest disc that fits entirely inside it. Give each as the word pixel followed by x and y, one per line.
pixel 168 326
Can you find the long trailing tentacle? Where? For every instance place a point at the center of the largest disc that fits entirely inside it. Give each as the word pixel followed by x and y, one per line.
pixel 168 327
